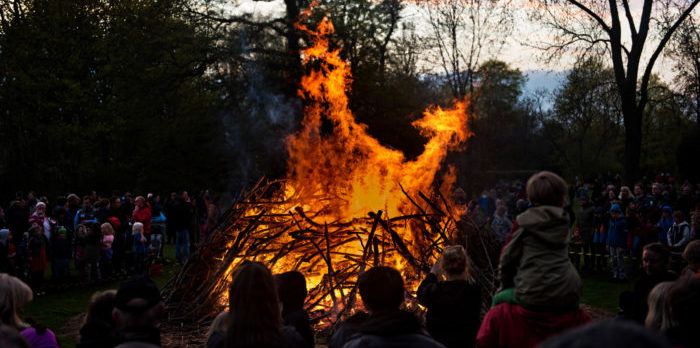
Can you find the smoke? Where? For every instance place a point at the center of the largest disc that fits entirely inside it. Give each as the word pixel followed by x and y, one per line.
pixel 256 127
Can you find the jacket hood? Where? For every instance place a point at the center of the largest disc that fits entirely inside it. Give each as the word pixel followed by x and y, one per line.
pixel 390 323
pixel 546 222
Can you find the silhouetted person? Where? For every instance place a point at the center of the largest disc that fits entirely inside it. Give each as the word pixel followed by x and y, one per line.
pixel 291 288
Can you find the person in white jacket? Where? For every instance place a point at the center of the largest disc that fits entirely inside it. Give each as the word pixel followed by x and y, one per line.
pixel 678 235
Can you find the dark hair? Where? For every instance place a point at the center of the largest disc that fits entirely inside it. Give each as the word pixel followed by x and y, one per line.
pixel 611 333
pixel 684 298
pixel 659 249
pixel 254 313
pixel 546 188
pixel 381 288
pixel 291 289
pixel 678 215
pixel 626 301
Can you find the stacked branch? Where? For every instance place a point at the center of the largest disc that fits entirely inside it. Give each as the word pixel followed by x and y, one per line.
pixel 264 226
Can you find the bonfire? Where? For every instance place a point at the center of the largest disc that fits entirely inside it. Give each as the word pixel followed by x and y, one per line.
pixel 348 203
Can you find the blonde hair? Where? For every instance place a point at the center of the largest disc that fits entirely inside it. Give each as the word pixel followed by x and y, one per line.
pixel 14 294
pixel 455 261
pixel 107 229
pixel 627 189
pixel 546 188
pixel 137 228
pixel 659 315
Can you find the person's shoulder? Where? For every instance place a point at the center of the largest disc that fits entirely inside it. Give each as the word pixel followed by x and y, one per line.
pixel 412 340
pixel 292 337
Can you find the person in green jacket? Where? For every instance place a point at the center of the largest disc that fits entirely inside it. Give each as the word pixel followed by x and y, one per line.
pixel 535 263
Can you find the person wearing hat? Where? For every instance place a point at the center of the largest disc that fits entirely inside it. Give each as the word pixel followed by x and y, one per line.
pixel 60 255
pixel 137 311
pixel 616 243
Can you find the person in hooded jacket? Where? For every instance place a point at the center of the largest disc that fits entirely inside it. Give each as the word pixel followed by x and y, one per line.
pixel 382 292
pixel 617 243
pixel 454 305
pixel 536 260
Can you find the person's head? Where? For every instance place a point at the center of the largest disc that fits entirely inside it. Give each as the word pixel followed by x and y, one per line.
pixel 678 217
pixel 101 308
pixel 254 311
pixel 14 294
pixel 659 315
pixel 381 288
pixel 455 261
pixel 684 299
pixel 41 209
pixel 656 189
pixel 11 338
pixel 608 333
pixel 138 303
pixel 73 200
pixel 106 229
pixel 615 211
pixel 140 202
pixel 666 211
pixel 546 188
pixel 687 189
pixel 36 230
pixel 655 258
pixel 501 211
pixel 115 202
pixel 638 190
pixel 137 228
pixel 62 233
pixel 87 202
pixel 291 289
pixel 691 254
pixel 612 195
pixel 625 192
pixel 626 301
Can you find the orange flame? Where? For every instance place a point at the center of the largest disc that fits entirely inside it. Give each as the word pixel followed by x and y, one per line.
pixel 344 174
pixel 348 166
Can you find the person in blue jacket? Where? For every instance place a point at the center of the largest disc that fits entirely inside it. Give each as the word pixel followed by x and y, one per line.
pixel 617 243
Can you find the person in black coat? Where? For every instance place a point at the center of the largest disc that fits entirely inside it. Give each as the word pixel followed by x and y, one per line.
pixel 382 292
pixel 291 289
pixel 453 304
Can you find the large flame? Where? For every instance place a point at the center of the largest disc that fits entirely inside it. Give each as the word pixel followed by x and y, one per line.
pixel 340 173
pixel 347 166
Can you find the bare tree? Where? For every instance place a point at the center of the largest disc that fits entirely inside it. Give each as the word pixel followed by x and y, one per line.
pixel 685 49
pixel 463 31
pixel 633 38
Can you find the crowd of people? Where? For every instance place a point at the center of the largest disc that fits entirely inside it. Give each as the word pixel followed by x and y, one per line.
pixel 102 237
pixel 537 303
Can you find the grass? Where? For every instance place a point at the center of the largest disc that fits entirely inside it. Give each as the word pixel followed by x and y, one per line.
pixel 600 291
pixel 55 310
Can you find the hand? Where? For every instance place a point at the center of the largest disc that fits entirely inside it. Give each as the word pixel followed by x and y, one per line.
pixel 143 239
pixel 437 266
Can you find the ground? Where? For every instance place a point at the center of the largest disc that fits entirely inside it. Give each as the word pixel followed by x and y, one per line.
pixel 64 310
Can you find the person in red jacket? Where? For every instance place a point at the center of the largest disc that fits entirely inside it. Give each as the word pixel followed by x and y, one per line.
pixel 511 325
pixel 142 214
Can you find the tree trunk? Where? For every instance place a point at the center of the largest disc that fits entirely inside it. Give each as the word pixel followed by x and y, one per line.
pixel 633 143
pixel 293 60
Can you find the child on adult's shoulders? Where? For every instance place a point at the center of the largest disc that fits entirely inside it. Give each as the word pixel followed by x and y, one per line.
pixel 535 263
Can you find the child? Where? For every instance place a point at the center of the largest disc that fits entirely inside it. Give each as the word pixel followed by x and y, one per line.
pixel 501 225
pixel 80 235
pixel 91 252
pixel 107 252
pixel 291 289
pixel 60 255
pixel 535 263
pixel 36 249
pixel 140 243
pixel 617 243
pixel 453 305
pixel 678 234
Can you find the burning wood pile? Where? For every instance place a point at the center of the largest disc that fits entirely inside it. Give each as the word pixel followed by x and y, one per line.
pixel 330 254
pixel 348 203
